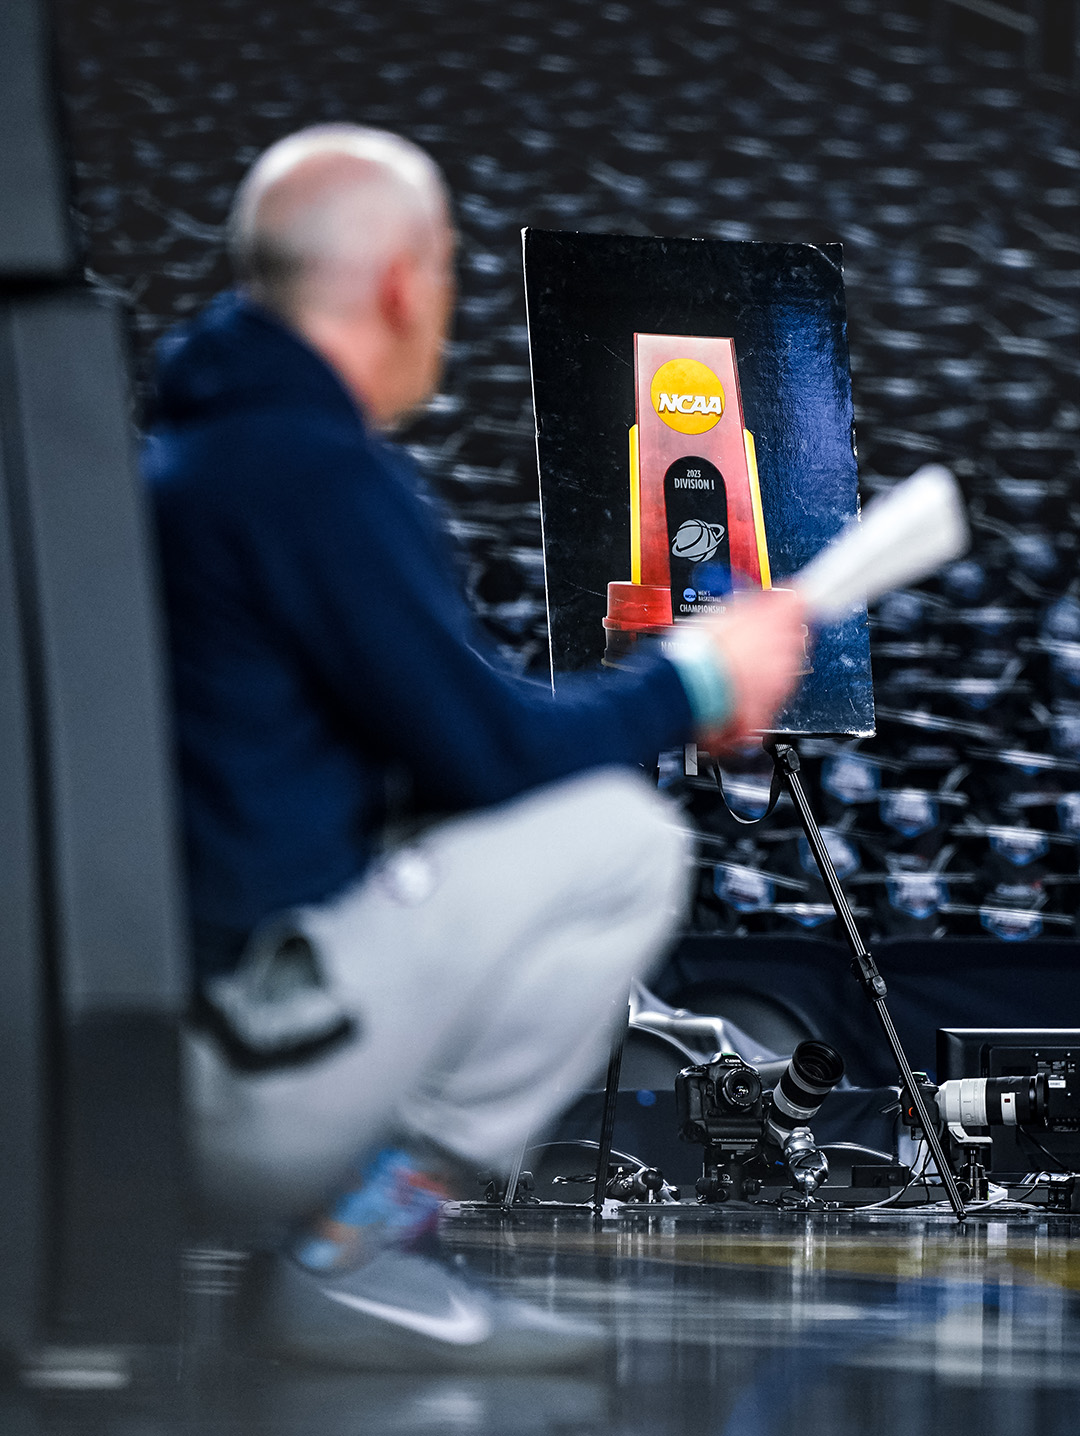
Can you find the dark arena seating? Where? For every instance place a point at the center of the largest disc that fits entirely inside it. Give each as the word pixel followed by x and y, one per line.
pixel 936 140
pixel 948 171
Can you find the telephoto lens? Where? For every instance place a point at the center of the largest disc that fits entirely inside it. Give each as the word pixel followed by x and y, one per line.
pixel 967 1102
pixel 814 1070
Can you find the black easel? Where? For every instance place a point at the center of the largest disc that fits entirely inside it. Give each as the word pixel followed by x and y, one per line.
pixel 786 768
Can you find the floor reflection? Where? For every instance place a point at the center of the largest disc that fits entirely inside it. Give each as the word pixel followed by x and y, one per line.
pixel 756 1324
pixel 746 1324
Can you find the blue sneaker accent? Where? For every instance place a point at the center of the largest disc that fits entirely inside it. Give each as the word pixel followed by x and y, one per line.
pixel 396 1203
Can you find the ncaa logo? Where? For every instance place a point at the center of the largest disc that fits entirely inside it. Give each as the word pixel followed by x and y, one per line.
pixel 687 396
pixel 696 541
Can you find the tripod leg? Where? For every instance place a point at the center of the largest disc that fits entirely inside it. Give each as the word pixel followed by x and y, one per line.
pixel 786 761
pixel 607 1123
pixel 515 1175
pixel 930 1131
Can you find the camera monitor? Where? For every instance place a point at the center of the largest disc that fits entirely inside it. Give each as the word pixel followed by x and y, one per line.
pixel 695 441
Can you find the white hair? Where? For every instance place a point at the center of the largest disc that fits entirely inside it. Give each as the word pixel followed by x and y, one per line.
pixel 321 213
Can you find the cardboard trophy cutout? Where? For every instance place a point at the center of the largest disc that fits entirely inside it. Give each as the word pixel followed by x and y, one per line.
pixel 695 441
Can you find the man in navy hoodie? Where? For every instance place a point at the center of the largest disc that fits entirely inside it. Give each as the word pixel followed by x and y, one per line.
pixel 387 1013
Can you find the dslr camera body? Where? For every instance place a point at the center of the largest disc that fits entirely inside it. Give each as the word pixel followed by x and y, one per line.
pixel 752 1136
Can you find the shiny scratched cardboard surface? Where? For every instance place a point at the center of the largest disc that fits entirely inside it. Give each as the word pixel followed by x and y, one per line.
pixel 784 306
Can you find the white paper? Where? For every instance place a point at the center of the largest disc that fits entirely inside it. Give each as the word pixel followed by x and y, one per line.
pixel 903 537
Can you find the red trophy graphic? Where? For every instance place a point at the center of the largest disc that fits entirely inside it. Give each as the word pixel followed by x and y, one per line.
pixel 696 527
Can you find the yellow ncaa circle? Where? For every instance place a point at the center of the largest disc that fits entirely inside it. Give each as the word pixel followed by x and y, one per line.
pixel 687 395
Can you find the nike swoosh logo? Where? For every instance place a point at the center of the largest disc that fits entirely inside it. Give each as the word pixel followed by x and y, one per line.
pixel 465 1326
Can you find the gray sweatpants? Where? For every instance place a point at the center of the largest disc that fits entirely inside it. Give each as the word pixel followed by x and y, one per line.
pixel 487 965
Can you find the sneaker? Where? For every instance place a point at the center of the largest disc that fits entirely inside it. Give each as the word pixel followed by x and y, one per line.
pixel 406 1312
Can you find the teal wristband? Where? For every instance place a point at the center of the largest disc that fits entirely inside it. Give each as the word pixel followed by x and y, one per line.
pixel 703 675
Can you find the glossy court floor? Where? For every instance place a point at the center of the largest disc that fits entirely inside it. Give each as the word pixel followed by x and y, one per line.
pixel 748 1324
